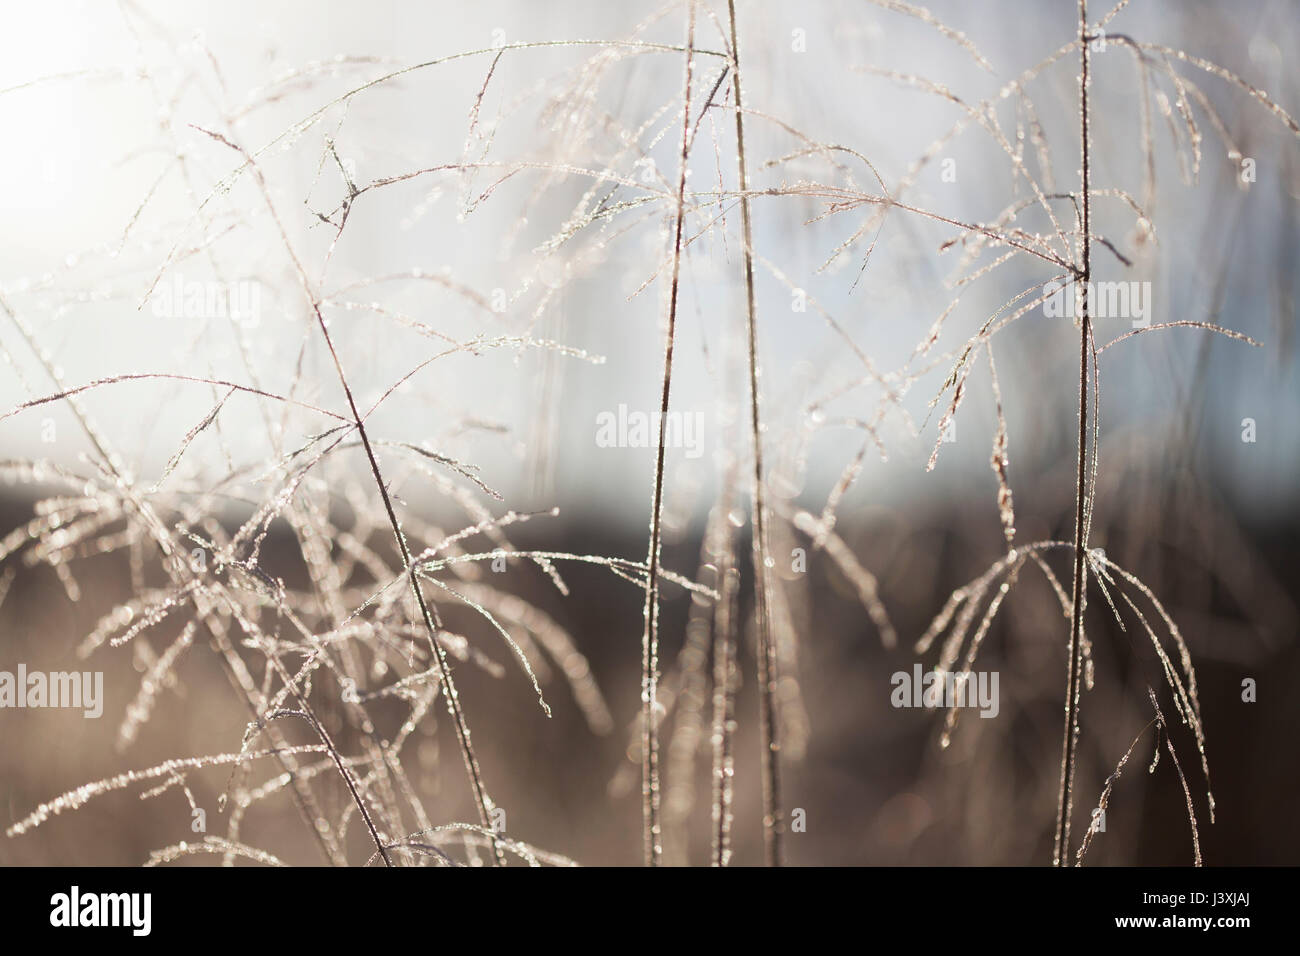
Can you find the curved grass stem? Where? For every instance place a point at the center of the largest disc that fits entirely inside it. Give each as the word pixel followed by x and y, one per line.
pixel 1061 852
pixel 773 824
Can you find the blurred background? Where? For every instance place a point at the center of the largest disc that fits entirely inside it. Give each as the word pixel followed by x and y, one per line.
pixel 508 222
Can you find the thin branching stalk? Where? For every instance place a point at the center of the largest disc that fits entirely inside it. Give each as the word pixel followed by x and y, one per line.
pixel 724 717
pixel 773 824
pixel 304 801
pixel 432 626
pixel 449 692
pixel 308 715
pixel 650 635
pixel 724 654
pixel 1061 852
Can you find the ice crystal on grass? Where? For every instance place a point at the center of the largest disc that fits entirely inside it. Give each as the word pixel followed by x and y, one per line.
pixel 340 561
